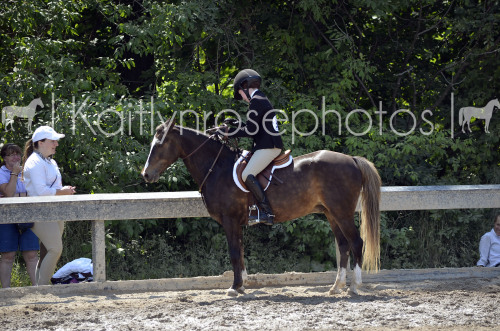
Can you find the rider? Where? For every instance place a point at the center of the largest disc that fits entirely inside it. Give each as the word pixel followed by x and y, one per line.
pixel 262 126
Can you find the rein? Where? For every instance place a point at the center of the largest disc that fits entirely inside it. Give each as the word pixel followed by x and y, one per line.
pixel 213 164
pixel 196 150
pixel 211 168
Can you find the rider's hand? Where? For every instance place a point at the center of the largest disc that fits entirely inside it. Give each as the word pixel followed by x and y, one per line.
pixel 232 121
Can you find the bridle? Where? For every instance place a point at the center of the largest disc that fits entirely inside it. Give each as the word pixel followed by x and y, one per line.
pixel 213 164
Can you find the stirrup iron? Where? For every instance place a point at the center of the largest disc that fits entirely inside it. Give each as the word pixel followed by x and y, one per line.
pixel 254 220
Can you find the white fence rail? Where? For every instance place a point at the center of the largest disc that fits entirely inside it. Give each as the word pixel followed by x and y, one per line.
pixel 125 206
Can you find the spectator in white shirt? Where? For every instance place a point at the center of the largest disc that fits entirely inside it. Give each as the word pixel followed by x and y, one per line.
pixel 489 246
pixel 42 177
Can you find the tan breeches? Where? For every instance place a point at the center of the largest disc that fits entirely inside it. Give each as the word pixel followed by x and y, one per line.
pixel 259 161
pixel 50 234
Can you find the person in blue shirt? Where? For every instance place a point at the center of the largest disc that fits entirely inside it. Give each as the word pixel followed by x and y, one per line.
pixel 11 238
pixel 489 246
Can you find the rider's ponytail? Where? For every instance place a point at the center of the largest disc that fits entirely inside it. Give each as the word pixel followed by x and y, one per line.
pixel 29 147
pixel 28 150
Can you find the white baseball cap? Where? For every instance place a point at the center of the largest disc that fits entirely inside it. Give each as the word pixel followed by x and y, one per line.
pixel 46 132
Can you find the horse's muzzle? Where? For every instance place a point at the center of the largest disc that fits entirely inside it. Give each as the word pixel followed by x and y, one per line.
pixel 149 178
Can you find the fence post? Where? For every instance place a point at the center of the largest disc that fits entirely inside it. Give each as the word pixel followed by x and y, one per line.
pixel 99 251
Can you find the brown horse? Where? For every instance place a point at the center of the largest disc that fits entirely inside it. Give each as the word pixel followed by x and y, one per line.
pixel 320 182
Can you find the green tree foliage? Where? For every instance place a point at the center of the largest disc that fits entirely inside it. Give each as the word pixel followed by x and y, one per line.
pixel 109 71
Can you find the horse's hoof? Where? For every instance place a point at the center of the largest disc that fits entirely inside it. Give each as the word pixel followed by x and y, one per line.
pixel 353 291
pixel 337 287
pixel 232 293
pixel 241 290
pixel 334 290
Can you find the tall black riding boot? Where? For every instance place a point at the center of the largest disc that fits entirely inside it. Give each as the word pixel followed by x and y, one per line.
pixel 267 215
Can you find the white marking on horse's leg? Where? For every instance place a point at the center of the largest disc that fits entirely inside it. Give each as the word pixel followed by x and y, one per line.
pixel 357 281
pixel 244 275
pixel 337 253
pixel 340 281
pixel 232 293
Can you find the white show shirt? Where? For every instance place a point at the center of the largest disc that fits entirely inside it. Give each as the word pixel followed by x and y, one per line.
pixel 41 176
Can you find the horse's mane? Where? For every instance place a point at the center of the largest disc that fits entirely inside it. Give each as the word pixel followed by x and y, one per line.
pixel 213 143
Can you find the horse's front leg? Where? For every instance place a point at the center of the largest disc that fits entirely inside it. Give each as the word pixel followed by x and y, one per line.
pixel 487 125
pixel 234 236
pixel 244 274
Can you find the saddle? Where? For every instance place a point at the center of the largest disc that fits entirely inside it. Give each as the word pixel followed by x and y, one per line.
pixel 266 175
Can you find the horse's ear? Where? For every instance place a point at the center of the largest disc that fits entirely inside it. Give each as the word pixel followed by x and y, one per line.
pixel 171 121
pixel 170 124
pixel 166 127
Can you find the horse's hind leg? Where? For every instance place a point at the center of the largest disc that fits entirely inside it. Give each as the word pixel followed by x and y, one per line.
pixel 9 121
pixel 342 260
pixel 348 238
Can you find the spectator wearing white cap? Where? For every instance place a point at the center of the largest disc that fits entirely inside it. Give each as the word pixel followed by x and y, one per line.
pixel 42 177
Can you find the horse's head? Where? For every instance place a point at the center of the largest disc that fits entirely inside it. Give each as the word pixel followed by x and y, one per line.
pixel 36 102
pixel 496 103
pixel 164 151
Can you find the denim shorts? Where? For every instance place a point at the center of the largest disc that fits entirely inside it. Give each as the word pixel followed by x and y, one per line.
pixel 11 240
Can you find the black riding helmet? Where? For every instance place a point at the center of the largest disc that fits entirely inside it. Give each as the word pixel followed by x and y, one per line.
pixel 246 75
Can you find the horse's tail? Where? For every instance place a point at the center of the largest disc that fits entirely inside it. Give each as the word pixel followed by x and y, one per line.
pixel 461 116
pixel 370 213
